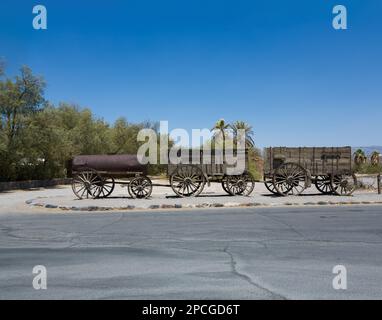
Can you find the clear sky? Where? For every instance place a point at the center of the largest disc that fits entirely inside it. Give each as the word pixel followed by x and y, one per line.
pixel 278 65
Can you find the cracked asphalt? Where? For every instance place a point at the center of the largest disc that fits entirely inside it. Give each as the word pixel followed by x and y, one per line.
pixel 254 253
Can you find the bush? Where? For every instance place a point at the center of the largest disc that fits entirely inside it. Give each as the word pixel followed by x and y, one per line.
pixel 368 168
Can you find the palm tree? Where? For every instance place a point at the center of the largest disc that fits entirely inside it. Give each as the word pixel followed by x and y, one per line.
pixel 374 158
pixel 221 128
pixel 359 157
pixel 248 132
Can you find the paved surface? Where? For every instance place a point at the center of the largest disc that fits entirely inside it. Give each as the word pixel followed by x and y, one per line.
pixel 163 197
pixel 257 253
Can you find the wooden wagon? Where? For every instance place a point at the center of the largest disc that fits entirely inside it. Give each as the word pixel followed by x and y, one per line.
pixel 195 170
pixel 292 170
pixel 95 176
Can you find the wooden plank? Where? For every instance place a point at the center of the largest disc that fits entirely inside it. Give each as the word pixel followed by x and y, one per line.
pixel 319 160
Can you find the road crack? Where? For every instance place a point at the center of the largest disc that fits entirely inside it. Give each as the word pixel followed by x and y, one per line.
pixel 248 279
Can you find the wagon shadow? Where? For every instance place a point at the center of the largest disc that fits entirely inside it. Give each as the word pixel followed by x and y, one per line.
pixel 202 196
pixel 115 197
pixel 119 197
pixel 300 195
pixel 271 195
pixel 313 194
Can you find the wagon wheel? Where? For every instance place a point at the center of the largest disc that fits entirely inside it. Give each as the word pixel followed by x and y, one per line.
pixel 224 185
pixel 290 178
pixel 281 186
pixel 268 182
pixel 140 187
pixel 344 185
pixel 129 192
pixel 187 181
pixel 323 184
pixel 87 184
pixel 108 185
pixel 241 185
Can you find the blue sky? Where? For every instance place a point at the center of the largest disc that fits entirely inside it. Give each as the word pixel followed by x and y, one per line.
pixel 278 65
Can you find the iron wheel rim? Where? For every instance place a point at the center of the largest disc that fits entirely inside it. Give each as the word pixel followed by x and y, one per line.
pixel 289 179
pixel 240 185
pixel 323 184
pixel 344 185
pixel 140 187
pixel 187 181
pixel 87 184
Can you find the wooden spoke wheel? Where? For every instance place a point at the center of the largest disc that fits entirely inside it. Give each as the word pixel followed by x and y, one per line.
pixel 140 187
pixel 108 185
pixel 240 185
pixel 224 185
pixel 344 185
pixel 187 181
pixel 87 184
pixel 323 184
pixel 268 182
pixel 290 179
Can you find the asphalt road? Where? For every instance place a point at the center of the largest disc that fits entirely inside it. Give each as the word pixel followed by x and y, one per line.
pixel 256 253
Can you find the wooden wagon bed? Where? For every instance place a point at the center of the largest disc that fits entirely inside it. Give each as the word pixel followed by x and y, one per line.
pixel 290 170
pixel 317 160
pixel 195 169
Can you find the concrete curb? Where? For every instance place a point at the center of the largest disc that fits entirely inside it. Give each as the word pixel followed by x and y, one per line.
pixel 38 203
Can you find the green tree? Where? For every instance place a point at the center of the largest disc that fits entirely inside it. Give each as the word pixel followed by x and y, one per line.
pixel 90 135
pixel 19 98
pixel 45 145
pixel 124 136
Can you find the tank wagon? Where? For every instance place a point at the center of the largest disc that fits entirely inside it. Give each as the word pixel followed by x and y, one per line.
pixel 95 176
